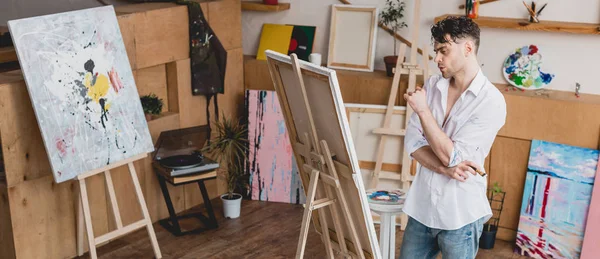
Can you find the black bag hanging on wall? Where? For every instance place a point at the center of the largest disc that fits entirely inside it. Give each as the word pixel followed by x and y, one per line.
pixel 208 57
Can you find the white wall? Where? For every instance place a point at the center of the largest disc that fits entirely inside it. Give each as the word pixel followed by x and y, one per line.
pixel 572 57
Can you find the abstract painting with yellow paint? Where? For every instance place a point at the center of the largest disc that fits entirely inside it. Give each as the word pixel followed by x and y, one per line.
pixel 82 89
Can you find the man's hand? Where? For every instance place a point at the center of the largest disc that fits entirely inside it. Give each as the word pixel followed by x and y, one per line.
pixel 461 171
pixel 417 100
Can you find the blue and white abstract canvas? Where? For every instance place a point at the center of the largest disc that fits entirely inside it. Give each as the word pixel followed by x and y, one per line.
pixel 556 199
pixel 82 89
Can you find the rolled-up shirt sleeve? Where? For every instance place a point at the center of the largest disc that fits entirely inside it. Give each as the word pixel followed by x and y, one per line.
pixel 475 138
pixel 414 137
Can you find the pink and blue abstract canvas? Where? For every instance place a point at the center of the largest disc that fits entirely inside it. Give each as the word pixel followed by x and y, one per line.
pixel 556 199
pixel 273 171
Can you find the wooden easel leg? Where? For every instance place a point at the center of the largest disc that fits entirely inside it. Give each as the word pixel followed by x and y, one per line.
pixel 80 225
pixel 336 220
pixel 310 198
pixel 325 229
pixel 142 201
pixel 88 218
pixel 343 203
pixel 113 199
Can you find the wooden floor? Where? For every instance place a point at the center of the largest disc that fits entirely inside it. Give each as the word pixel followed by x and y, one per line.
pixel 264 230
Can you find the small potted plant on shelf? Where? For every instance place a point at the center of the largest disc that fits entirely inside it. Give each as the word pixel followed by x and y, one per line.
pixel 152 105
pixel 391 17
pixel 230 147
pixel 496 199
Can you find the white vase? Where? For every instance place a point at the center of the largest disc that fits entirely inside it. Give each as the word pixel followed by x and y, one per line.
pixel 231 208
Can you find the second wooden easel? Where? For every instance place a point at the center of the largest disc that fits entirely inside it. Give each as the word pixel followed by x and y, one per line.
pixel 411 69
pixel 84 215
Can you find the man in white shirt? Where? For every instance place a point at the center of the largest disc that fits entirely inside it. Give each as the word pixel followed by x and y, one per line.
pixel 456 118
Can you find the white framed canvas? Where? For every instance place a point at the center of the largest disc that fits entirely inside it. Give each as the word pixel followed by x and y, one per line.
pixel 82 89
pixel 352 37
pixel 324 100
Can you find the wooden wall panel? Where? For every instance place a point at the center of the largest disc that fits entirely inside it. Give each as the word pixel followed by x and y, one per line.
pixel 160 36
pixel 7 244
pixel 127 26
pixel 129 207
pixel 192 109
pixel 256 75
pixel 353 84
pixel 227 22
pixel 21 136
pixel 556 118
pixel 153 80
pixel 509 158
pixel 43 218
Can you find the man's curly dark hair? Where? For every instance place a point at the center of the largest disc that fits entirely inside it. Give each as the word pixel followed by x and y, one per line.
pixel 457 27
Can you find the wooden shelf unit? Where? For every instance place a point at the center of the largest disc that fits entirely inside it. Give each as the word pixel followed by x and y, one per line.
pixel 525 25
pixel 259 6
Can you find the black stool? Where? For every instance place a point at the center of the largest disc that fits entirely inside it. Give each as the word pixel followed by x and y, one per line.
pixel 172 223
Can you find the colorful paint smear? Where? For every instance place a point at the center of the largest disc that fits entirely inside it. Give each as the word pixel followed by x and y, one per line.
pixel 82 89
pixel 523 69
pixel 556 198
pixel 273 171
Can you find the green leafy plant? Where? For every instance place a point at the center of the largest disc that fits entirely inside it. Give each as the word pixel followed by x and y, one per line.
pixel 391 16
pixel 151 104
pixel 496 188
pixel 230 147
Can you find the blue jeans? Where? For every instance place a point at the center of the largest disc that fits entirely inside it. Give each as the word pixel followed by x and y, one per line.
pixel 420 241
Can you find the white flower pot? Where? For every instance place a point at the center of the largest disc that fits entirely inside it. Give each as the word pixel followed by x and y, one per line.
pixel 231 208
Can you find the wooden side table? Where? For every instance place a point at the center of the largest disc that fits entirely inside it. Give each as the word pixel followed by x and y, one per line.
pixel 172 223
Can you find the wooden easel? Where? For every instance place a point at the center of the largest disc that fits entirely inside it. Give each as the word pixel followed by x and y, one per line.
pixel 318 160
pixel 84 215
pixel 412 70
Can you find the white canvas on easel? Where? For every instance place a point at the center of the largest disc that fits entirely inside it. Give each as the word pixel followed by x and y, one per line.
pixel 87 106
pixel 352 37
pixel 312 104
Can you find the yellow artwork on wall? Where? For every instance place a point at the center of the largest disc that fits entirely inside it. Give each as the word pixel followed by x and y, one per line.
pixel 275 37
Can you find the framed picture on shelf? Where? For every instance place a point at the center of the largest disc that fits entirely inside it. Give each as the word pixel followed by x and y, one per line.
pixel 352 37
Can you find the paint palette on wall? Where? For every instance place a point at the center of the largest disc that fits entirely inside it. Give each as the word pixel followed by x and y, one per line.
pixel 82 89
pixel 523 69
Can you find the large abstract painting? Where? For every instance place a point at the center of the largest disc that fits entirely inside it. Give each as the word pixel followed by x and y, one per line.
pixel 273 170
pixel 82 89
pixel 556 198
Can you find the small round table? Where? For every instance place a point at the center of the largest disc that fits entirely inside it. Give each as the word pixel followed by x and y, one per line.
pixel 388 204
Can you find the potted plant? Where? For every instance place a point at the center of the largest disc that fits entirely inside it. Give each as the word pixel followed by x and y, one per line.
pixel 229 147
pixel 391 16
pixel 496 199
pixel 152 105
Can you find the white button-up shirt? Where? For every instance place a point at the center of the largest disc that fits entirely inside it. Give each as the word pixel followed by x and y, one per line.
pixel 439 201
